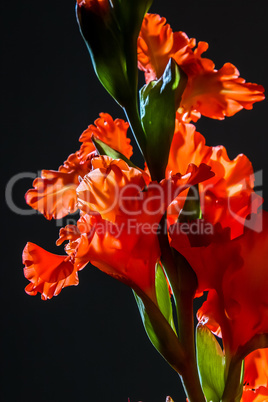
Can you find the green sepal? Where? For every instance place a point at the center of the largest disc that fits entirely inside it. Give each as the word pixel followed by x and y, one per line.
pixel 159 101
pixel 163 296
pixel 211 364
pixel 191 209
pixel 129 16
pixel 104 149
pixel 160 332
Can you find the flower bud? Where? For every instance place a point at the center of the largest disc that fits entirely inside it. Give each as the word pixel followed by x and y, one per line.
pixel 110 31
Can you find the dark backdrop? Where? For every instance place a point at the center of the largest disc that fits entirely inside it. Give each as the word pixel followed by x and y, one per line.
pixel 88 344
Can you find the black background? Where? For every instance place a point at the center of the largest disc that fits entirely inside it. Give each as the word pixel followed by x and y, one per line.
pixel 88 344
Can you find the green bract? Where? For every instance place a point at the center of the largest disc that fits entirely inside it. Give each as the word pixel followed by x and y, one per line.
pixel 159 101
pixel 159 330
pixel 104 149
pixel 111 38
pixel 163 296
pixel 211 364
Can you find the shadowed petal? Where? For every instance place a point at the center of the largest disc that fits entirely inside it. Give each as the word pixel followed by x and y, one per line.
pixel 236 272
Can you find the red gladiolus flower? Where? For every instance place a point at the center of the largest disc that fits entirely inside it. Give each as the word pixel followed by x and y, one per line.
pixel 157 44
pixel 217 94
pixel 125 243
pixel 121 249
pixel 48 273
pixel 54 193
pixel 236 275
pixel 209 92
pixel 227 197
pixel 101 190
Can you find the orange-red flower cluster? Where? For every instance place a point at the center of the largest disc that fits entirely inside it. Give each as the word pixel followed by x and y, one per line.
pixel 224 260
pixel 121 207
pixel 120 212
pixel 225 240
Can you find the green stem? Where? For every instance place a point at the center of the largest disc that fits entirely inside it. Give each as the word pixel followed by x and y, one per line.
pixel 234 384
pixel 184 295
pixel 184 283
pixel 191 387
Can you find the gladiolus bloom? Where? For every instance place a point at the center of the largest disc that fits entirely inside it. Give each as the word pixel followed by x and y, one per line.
pixel 227 197
pixel 209 92
pixel 54 193
pixel 236 275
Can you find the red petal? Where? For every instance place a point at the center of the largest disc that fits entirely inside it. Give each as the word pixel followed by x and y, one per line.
pixel 112 132
pixel 122 250
pixel 157 43
pixel 217 94
pixel 48 273
pixel 256 369
pixel 259 395
pixel 54 193
pixel 102 190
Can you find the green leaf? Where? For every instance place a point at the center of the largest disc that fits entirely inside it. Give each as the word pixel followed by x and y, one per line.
pixel 104 149
pixel 159 101
pixel 160 332
pixel 211 364
pixel 147 323
pixel 163 296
